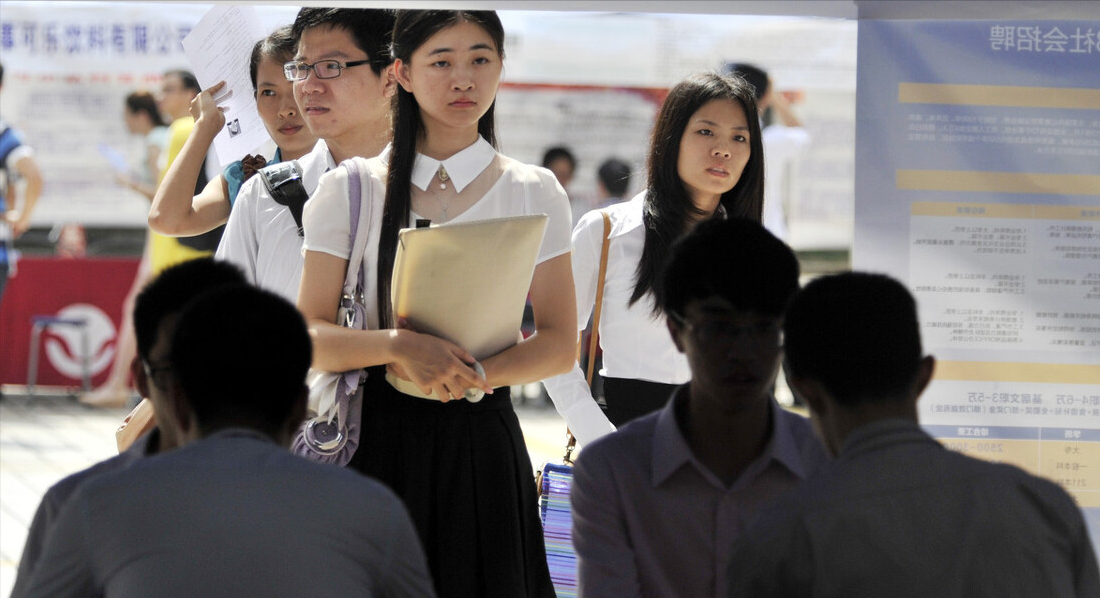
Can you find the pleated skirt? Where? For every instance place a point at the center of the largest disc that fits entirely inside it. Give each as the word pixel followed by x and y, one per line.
pixel 465 476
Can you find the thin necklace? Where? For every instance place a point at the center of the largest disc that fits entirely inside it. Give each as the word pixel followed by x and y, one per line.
pixel 443 178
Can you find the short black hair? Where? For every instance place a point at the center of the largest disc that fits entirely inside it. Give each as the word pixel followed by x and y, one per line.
pixel 1 73
pixel 187 78
pixel 371 28
pixel 143 101
pixel 279 46
pixel 174 288
pixel 736 259
pixel 615 176
pixel 857 334
pixel 754 75
pixel 240 354
pixel 559 152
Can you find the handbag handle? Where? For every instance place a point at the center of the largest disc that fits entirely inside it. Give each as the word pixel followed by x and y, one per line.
pixel 593 339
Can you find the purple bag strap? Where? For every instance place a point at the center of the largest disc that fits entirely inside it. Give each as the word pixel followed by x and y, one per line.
pixel 355 186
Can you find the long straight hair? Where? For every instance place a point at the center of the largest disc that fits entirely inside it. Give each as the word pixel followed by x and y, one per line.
pixel 412 29
pixel 667 208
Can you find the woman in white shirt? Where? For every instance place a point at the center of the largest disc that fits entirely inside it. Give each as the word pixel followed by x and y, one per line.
pixel 705 159
pixel 461 467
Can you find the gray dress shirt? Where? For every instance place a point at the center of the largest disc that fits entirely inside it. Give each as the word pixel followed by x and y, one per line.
pixel 228 516
pixel 649 519
pixel 57 495
pixel 898 515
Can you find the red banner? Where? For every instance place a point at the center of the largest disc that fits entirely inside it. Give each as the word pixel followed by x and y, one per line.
pixel 92 290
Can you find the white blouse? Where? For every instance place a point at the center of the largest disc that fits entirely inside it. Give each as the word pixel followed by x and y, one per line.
pixel 522 189
pixel 636 344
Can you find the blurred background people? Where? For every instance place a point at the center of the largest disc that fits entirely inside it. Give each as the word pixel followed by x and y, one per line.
pixel 561 161
pixel 785 141
pixel 612 182
pixel 178 88
pixel 142 117
pixel 20 186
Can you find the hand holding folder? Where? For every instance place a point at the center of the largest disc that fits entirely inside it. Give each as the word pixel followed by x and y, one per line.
pixel 467 282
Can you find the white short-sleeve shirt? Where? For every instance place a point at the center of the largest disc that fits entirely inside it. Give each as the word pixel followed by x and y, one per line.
pixel 261 236
pixel 636 343
pixel 522 189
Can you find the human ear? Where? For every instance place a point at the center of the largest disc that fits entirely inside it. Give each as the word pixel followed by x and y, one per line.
pixel 137 370
pixel 390 86
pixel 674 330
pixel 924 375
pixel 809 391
pixel 401 73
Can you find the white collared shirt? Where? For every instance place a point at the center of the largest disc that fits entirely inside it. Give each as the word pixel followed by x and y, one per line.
pixel 636 344
pixel 261 236
pixel 522 189
pixel 462 167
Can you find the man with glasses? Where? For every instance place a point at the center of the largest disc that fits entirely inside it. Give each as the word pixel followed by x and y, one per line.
pixel 657 504
pixel 343 82
pixel 155 311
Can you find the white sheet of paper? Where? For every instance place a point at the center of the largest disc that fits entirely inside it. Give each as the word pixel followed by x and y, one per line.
pixel 219 49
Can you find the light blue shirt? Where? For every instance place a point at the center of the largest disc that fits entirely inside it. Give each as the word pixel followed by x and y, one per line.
pixel 649 519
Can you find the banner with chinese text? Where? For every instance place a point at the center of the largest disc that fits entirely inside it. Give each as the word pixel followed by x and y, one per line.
pixel 978 184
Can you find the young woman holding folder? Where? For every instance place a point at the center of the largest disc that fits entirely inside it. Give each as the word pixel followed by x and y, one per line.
pixel 705 160
pixel 461 467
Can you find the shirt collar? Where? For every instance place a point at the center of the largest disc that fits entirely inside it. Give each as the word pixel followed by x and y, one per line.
pixel 630 215
pixel 463 167
pixel 886 432
pixel 671 450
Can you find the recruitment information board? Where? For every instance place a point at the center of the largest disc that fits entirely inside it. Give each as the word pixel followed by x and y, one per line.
pixel 978 184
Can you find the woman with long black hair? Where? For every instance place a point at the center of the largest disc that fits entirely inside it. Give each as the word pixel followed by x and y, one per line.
pixel 461 467
pixel 705 161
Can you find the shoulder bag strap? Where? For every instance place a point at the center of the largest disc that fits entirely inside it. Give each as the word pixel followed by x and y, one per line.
pixel 284 183
pixel 593 340
pixel 357 237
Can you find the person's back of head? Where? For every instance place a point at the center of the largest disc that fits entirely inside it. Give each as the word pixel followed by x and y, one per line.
pixel 371 28
pixel 751 73
pixel 614 175
pixel 171 290
pixel 156 309
pixel 857 334
pixel 734 259
pixel 240 356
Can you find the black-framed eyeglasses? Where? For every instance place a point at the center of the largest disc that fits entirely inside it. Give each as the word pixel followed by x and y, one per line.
pixel 296 70
pixel 715 331
pixel 157 372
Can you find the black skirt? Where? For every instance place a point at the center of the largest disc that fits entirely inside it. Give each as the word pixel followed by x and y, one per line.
pixel 629 399
pixel 465 475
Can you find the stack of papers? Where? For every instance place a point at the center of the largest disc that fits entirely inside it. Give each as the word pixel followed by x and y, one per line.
pixel 557 526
